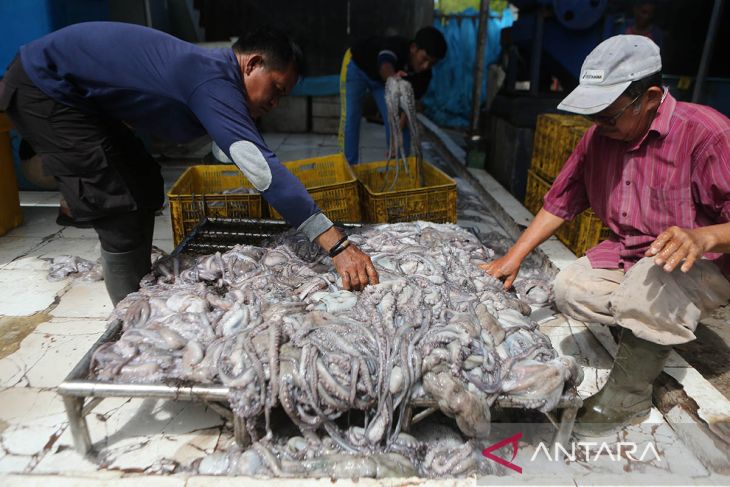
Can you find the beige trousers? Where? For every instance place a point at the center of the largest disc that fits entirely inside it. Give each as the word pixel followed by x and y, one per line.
pixel 658 306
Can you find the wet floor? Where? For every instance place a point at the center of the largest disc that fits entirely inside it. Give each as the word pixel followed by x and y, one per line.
pixel 13 329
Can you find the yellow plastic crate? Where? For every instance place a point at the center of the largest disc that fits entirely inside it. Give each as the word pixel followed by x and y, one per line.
pixel 580 234
pixel 408 201
pixel 332 184
pixel 567 139
pixel 590 231
pixel 540 144
pixel 200 191
pixel 10 214
pixel 537 187
pixel 535 191
pixel 555 138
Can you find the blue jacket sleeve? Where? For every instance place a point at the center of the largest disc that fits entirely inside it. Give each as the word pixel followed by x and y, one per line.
pixel 221 108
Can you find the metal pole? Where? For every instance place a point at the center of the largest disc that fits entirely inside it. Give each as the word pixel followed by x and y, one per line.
pixel 565 428
pixel 536 56
pixel 476 92
pixel 707 50
pixel 147 13
pixel 76 421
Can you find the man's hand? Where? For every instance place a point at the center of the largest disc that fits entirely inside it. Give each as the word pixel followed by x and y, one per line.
pixel 355 268
pixel 505 268
pixel 675 245
pixel 386 70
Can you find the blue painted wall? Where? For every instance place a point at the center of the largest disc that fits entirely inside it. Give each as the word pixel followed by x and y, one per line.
pixel 22 21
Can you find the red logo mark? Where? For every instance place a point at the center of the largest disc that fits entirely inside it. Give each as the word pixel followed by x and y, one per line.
pixel 512 440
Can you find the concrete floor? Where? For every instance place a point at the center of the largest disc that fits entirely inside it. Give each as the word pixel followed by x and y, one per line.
pixel 46 327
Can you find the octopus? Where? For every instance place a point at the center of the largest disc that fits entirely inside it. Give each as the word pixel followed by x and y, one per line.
pixel 64 266
pixel 272 324
pixel 399 97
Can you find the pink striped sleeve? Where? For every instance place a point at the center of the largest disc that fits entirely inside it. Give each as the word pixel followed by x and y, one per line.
pixel 711 178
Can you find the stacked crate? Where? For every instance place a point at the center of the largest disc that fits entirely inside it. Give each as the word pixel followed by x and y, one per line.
pixel 555 139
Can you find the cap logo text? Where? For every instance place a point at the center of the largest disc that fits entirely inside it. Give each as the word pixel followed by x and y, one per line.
pixel 592 75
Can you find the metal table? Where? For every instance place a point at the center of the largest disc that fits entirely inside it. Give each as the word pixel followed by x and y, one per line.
pixel 81 394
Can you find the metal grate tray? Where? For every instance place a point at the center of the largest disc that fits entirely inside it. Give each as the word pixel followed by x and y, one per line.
pixel 222 234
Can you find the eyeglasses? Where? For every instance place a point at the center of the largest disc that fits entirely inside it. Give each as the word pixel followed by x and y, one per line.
pixel 611 120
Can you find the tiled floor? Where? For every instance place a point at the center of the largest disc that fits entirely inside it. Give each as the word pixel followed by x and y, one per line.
pixel 46 327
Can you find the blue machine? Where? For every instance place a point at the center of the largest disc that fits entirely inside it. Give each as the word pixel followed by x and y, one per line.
pixel 555 36
pixel 559 34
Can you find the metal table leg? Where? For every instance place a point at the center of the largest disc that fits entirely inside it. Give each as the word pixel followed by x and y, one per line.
pixel 565 428
pixel 77 423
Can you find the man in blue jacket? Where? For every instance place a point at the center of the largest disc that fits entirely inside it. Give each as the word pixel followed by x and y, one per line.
pixel 76 94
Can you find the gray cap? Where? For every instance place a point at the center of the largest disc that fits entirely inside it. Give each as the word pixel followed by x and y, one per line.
pixel 609 69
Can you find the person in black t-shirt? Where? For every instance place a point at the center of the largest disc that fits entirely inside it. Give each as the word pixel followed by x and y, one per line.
pixel 366 67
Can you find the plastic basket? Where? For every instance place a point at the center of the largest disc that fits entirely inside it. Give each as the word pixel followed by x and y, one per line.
pixel 555 138
pixel 536 189
pixel 407 201
pixel 332 184
pixel 591 230
pixel 199 193
pixel 540 144
pixel 580 234
pixel 566 140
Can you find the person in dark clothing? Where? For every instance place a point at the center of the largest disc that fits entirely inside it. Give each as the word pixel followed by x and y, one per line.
pixel 76 94
pixel 366 67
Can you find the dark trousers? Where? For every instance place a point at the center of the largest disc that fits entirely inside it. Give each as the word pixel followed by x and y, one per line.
pixel 103 171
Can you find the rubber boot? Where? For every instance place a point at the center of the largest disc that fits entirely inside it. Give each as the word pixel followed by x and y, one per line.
pixel 626 397
pixel 124 270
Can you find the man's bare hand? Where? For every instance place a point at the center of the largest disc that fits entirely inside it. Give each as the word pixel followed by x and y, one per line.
pixel 505 268
pixel 355 268
pixel 675 245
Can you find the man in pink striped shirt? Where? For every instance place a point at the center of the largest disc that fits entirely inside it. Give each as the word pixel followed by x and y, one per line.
pixel 657 173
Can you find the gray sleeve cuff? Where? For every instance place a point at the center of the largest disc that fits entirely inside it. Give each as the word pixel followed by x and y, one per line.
pixel 315 225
